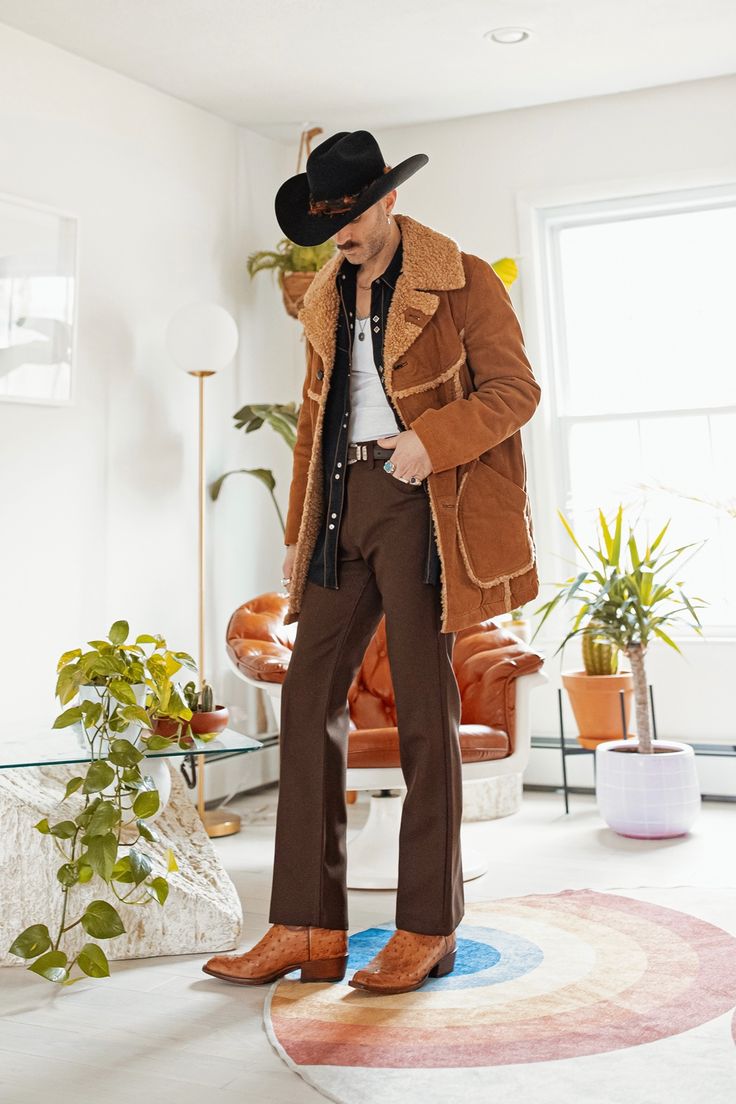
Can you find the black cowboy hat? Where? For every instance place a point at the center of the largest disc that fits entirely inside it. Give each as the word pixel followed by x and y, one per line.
pixel 344 176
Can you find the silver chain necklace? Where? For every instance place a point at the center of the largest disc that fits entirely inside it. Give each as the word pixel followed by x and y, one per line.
pixel 361 335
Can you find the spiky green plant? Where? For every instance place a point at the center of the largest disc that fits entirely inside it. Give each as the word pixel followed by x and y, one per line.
pixel 207 699
pixel 628 600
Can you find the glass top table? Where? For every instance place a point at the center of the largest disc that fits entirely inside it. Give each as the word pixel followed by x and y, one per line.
pixel 59 746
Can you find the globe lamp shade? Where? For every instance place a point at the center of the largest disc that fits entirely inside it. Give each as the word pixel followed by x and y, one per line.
pixel 202 338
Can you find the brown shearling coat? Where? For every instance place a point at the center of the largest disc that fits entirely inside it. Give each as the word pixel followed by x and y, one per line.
pixel 456 369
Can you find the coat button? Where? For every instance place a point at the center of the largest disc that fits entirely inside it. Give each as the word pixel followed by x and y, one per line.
pixel 320 373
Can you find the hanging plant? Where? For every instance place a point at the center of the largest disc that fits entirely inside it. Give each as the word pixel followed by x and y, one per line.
pixel 296 266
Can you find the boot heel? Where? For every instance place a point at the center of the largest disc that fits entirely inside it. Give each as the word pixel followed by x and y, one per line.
pixel 324 969
pixel 444 966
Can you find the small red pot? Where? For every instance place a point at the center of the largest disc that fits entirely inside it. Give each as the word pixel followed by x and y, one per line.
pixel 202 724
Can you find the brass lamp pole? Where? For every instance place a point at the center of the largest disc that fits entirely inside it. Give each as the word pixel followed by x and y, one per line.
pixel 197 334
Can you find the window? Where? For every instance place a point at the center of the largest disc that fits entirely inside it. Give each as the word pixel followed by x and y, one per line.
pixel 641 296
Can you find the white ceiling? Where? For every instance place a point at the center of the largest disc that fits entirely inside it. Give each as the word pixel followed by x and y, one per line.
pixel 276 65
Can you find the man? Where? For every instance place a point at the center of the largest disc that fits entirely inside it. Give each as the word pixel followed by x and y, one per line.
pixel 408 498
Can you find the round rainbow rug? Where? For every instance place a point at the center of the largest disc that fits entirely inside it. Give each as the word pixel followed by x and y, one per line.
pixel 623 997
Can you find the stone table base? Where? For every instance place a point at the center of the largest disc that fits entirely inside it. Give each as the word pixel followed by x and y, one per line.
pixel 202 913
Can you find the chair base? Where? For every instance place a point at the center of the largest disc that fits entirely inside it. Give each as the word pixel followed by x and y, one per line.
pixel 373 853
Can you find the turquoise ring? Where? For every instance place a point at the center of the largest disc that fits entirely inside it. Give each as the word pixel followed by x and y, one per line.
pixel 389 466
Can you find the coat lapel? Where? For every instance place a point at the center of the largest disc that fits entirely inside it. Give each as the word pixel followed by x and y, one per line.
pixel 431 262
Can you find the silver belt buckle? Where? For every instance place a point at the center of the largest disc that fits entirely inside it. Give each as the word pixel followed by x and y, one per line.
pixel 362 453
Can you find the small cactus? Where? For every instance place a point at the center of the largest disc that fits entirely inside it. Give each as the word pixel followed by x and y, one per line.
pixel 206 701
pixel 600 656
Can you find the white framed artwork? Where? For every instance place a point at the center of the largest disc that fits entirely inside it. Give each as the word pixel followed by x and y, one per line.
pixel 38 302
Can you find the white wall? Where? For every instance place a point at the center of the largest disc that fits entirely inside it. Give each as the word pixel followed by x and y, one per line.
pixel 477 168
pixel 98 499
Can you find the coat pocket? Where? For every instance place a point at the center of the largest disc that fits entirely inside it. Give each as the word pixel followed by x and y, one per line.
pixel 430 382
pixel 492 522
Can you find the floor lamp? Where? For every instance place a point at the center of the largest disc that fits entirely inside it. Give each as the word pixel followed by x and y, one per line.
pixel 202 339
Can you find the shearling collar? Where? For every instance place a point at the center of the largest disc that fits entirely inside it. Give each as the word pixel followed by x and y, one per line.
pixel 431 262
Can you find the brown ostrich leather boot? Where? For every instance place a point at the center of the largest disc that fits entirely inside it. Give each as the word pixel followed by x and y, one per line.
pixel 406 961
pixel 321 953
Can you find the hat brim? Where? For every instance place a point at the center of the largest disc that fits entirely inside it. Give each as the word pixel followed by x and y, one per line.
pixel 292 203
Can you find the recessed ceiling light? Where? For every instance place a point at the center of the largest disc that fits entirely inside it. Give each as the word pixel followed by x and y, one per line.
pixel 507 36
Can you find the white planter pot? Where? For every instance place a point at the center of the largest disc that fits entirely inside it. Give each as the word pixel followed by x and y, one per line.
pixel 647 796
pixel 130 732
pixel 158 768
pixel 155 766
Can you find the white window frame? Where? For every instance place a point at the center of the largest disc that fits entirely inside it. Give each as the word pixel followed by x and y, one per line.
pixel 541 214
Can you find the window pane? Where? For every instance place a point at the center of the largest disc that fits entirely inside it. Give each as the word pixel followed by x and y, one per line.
pixel 648 316
pixel 658 467
pixel 605 464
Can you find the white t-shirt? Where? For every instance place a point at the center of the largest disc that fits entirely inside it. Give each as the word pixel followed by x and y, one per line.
pixel 371 415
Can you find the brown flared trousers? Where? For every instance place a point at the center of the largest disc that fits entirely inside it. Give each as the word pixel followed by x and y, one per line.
pixel 382 544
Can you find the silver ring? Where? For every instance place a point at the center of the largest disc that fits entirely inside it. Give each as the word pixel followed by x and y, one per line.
pixel 389 466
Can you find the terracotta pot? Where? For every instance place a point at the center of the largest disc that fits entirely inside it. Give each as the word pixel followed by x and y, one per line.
pixel 596 705
pixel 294 286
pixel 202 724
pixel 205 724
pixel 166 726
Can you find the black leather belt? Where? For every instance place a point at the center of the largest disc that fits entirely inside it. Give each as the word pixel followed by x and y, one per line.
pixel 365 449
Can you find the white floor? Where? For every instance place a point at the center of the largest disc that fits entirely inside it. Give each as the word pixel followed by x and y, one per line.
pixel 161 1030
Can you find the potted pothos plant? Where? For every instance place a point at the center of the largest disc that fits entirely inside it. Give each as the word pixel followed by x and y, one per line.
pixel 295 265
pixel 197 716
pixel 628 597
pixel 112 802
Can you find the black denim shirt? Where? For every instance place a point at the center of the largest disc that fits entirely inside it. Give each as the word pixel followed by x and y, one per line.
pixel 324 564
